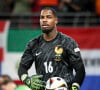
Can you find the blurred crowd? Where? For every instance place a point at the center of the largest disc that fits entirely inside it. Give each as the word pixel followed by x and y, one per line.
pixel 6 83
pixel 29 9
pixel 31 6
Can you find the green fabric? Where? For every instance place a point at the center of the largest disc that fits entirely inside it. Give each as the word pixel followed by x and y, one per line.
pixel 22 87
pixel 17 39
pixel 74 87
pixel 35 83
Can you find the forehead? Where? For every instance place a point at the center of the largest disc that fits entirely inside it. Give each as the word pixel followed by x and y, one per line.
pixel 46 12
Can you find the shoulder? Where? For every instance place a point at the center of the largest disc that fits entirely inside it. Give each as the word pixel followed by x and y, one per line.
pixel 34 41
pixel 67 38
pixel 69 43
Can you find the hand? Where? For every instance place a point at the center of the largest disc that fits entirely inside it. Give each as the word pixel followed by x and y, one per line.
pixel 74 87
pixel 34 82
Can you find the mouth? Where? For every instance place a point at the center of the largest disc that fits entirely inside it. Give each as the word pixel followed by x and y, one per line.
pixel 45 25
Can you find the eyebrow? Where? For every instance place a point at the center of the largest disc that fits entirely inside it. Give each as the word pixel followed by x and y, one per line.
pixel 46 15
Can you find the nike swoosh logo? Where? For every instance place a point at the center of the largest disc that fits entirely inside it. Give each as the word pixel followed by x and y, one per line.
pixel 38 53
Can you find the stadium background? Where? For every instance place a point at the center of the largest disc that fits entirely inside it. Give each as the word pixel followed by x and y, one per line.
pixel 14 42
pixel 18 27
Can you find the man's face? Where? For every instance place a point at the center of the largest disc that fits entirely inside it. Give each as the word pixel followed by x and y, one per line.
pixel 47 21
pixel 3 83
pixel 6 84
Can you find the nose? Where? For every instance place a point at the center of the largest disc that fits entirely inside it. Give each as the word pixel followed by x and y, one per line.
pixel 45 19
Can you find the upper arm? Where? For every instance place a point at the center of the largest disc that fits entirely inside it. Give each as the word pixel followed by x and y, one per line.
pixel 76 62
pixel 74 54
pixel 27 57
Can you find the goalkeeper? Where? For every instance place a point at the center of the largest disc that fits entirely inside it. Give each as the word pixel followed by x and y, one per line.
pixel 54 54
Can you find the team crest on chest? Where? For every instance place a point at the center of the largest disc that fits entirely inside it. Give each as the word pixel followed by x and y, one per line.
pixel 58 52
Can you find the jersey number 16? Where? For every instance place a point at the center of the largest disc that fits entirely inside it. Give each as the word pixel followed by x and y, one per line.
pixel 48 67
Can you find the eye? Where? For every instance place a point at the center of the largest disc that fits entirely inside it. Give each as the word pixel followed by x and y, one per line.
pixel 49 16
pixel 41 17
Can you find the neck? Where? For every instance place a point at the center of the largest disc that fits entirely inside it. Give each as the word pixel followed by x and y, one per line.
pixel 50 36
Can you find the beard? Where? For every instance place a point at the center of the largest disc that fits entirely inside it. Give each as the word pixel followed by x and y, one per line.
pixel 47 31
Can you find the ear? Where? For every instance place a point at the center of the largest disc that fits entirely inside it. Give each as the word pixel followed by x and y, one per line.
pixel 56 21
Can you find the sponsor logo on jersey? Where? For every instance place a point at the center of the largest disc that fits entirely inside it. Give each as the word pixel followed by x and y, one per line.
pixel 58 52
pixel 38 53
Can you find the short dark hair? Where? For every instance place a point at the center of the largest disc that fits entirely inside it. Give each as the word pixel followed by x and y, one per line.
pixel 6 79
pixel 52 9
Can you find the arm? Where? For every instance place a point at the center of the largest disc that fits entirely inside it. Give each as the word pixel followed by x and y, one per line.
pixel 72 5
pixel 77 63
pixel 26 62
pixel 27 59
